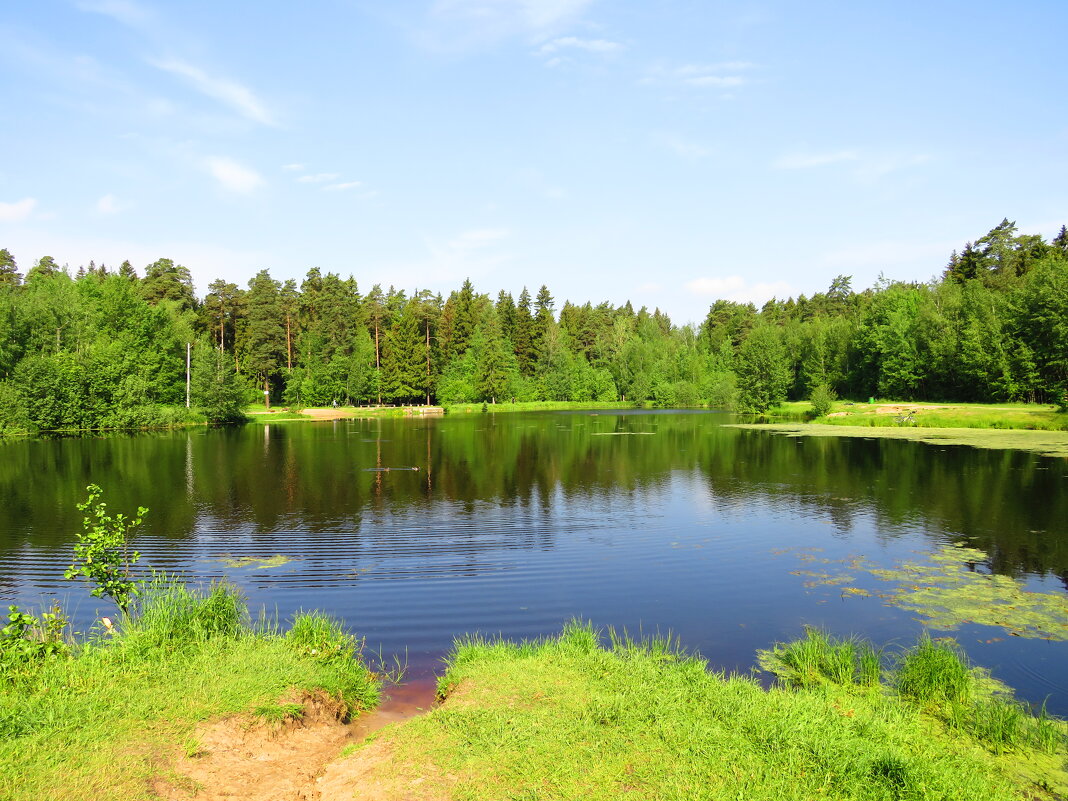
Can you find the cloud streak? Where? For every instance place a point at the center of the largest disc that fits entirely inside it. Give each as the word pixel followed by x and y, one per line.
pixel 230 93
pixel 736 288
pixel 723 75
pixel 234 177
pixel 574 43
pixel 456 25
pixel 18 211
pixel 807 161
pixel 107 205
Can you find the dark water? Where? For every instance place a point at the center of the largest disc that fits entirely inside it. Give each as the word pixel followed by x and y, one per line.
pixel 515 523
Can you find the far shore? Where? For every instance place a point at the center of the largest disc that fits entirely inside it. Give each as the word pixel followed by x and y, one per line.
pixel 1044 443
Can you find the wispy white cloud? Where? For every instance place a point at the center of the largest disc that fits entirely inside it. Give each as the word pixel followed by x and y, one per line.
pixel 877 166
pixel 107 205
pixel 574 43
pixel 681 146
pixel 126 12
pixel 477 251
pixel 464 24
pixel 865 166
pixel 737 289
pixel 18 211
pixel 805 161
pixel 724 75
pixel 234 177
pixel 293 167
pixel 343 186
pixel 318 178
pixel 230 93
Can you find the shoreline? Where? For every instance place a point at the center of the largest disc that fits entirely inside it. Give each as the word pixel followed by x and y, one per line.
pixel 1044 443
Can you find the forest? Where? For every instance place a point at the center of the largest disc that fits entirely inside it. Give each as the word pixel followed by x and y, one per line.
pixel 102 348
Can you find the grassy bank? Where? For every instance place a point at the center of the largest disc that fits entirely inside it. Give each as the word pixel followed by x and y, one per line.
pixel 104 718
pixel 1045 443
pixel 882 413
pixel 259 413
pixel 536 406
pixel 569 718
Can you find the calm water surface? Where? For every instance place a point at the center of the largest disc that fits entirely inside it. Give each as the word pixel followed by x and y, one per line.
pixel 515 523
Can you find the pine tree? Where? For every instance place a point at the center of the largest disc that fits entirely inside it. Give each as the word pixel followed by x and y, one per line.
pixel 165 280
pixel 9 274
pixel 43 267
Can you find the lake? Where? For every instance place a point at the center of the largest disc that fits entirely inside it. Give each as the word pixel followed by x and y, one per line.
pixel 514 523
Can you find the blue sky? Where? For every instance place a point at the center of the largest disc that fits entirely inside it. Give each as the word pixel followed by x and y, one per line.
pixel 667 151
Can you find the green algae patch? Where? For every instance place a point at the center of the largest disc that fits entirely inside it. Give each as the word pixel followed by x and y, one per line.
pixel 257 562
pixel 575 717
pixel 946 589
pixel 1044 443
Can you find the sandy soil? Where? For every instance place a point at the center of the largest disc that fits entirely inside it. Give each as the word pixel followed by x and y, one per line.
pixel 242 758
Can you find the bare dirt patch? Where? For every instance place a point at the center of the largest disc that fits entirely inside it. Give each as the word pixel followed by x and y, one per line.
pixel 242 757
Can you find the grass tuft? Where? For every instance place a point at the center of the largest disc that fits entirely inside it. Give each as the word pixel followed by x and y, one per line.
pixel 935 671
pixel 818 658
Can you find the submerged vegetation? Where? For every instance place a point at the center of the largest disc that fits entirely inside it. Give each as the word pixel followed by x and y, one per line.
pixel 107 348
pixel 948 588
pixel 568 717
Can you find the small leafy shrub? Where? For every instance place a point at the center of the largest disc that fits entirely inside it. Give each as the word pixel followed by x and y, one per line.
pixel 102 552
pixel 26 639
pixel 822 399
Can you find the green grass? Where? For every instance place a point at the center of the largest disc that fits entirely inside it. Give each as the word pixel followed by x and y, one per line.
pixel 1045 443
pixel 888 413
pixel 102 722
pixel 817 658
pixel 570 718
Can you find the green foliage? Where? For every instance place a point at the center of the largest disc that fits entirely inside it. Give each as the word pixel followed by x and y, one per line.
pixel 822 398
pixel 763 370
pixel 217 390
pixel 102 553
pixel 26 640
pixel 107 350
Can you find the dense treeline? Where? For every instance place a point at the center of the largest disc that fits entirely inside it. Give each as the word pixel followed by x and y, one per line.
pixel 107 348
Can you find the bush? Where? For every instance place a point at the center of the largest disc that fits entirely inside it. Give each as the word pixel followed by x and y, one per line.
pixel 822 398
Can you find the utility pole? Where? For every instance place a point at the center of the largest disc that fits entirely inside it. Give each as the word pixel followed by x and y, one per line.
pixel 188 348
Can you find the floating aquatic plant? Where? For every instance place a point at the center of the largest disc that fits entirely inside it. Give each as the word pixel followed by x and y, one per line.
pixel 946 590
